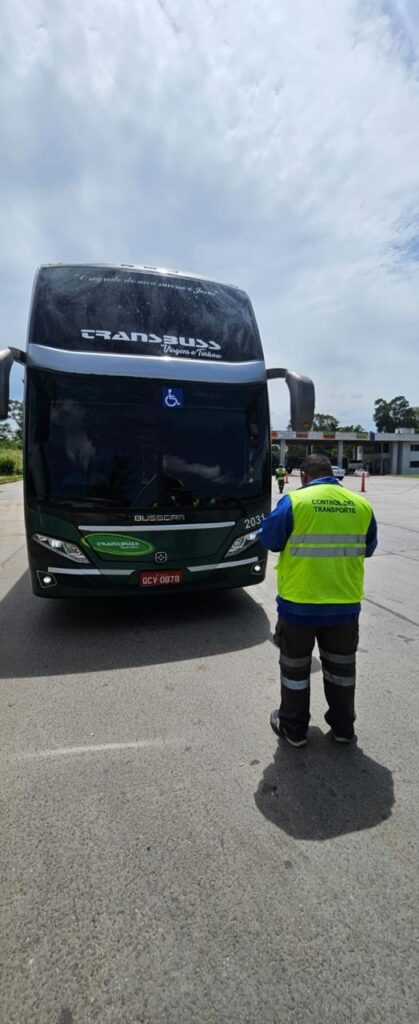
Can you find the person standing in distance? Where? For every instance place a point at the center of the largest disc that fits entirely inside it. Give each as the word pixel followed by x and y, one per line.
pixel 280 474
pixel 323 533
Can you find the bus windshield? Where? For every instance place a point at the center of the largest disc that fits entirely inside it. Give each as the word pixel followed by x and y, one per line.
pixel 128 443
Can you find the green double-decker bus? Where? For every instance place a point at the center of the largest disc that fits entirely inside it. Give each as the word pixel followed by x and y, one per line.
pixel 147 456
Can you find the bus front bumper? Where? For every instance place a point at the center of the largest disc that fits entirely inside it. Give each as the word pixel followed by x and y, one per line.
pixel 53 580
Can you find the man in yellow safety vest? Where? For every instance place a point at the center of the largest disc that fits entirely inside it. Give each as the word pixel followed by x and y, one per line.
pixel 323 533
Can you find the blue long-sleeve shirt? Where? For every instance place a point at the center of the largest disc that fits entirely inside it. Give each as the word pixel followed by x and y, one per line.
pixel 274 533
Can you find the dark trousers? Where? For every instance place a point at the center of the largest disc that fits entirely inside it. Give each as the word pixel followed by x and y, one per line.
pixel 281 485
pixel 337 646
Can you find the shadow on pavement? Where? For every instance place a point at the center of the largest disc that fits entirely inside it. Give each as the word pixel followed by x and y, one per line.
pixel 324 790
pixel 42 638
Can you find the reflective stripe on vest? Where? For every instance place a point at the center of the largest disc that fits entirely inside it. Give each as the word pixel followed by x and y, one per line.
pixel 328 538
pixel 328 552
pixel 323 560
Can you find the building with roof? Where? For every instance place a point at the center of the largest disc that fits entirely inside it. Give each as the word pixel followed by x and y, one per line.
pixel 396 453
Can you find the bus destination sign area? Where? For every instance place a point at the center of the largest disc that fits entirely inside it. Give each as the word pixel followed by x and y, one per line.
pixel 135 312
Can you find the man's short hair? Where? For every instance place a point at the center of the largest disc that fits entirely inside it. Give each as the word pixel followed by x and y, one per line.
pixel 316 466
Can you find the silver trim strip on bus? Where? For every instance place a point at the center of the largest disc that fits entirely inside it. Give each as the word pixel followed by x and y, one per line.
pixel 128 572
pixel 155 527
pixel 221 565
pixel 90 572
pixel 117 572
pixel 164 367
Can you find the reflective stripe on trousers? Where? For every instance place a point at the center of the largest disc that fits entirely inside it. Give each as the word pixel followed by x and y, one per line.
pixel 339 669
pixel 295 672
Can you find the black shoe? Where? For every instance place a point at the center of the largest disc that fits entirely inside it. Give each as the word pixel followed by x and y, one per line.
pixel 343 739
pixel 294 741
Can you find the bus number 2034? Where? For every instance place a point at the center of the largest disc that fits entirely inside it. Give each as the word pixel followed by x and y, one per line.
pixel 252 521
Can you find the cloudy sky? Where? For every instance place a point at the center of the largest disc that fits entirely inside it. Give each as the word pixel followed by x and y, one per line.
pixel 269 143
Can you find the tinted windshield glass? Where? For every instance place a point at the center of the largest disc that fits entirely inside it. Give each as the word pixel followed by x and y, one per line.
pixel 113 310
pixel 135 444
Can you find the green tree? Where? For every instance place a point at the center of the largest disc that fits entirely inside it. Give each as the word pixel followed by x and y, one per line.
pixel 357 429
pixel 16 415
pixel 325 422
pixel 6 432
pixel 389 416
pixel 11 430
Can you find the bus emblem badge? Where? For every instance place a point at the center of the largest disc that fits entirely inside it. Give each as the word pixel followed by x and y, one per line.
pixel 160 557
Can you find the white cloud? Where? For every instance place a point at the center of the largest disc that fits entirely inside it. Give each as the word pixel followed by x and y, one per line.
pixel 272 145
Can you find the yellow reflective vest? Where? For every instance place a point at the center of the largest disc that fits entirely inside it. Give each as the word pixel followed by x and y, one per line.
pixel 323 560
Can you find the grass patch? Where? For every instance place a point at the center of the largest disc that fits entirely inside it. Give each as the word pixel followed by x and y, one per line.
pixel 11 461
pixel 9 479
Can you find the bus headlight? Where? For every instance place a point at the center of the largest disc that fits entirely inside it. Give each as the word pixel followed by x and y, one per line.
pixel 241 543
pixel 65 548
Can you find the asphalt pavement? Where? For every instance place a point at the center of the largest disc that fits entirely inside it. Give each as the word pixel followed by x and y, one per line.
pixel 163 860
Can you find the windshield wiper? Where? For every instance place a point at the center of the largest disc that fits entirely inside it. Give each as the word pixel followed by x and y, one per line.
pixel 144 488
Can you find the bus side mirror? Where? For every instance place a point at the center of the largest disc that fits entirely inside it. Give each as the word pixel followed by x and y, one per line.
pixel 6 361
pixel 302 397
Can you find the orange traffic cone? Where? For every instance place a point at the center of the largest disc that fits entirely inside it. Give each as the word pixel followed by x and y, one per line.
pixel 363 487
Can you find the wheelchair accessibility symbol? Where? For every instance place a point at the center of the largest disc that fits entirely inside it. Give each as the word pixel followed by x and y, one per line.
pixel 173 398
